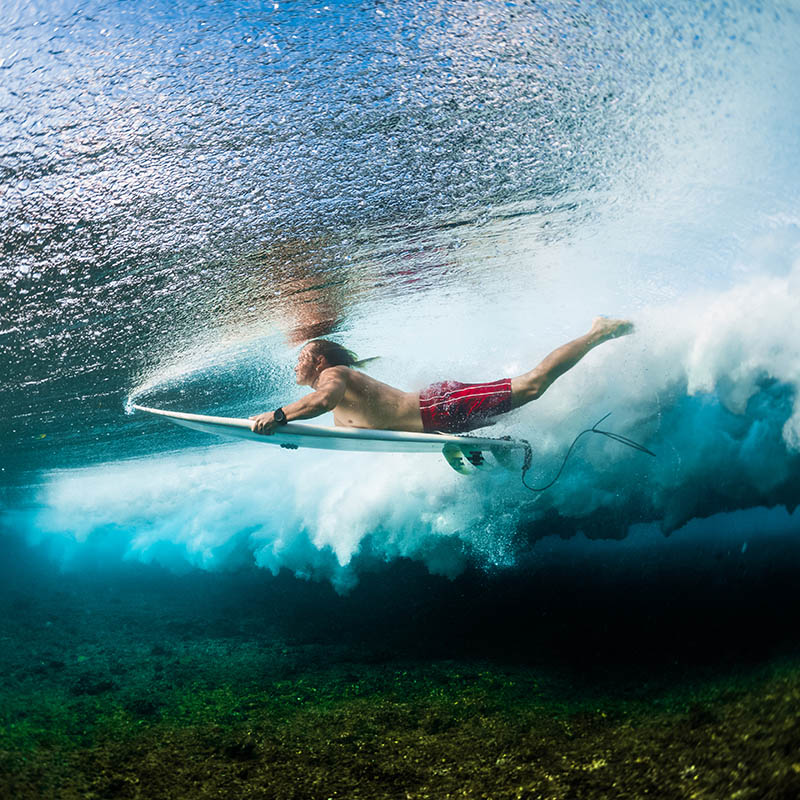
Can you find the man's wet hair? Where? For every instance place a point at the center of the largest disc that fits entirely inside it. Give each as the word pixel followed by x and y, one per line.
pixel 337 355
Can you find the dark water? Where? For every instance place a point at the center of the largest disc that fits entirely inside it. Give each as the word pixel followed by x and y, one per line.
pixel 189 193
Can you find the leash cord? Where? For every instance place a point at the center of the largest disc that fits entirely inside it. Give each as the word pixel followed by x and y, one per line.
pixel 594 429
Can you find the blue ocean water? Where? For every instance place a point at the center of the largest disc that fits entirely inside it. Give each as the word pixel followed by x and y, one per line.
pixel 189 192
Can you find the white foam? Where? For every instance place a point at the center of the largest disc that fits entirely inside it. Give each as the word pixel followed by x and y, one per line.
pixel 698 240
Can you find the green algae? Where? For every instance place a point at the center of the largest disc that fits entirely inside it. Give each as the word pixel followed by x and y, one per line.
pixel 414 730
pixel 183 690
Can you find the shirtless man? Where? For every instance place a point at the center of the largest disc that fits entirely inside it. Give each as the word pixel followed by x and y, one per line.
pixel 358 401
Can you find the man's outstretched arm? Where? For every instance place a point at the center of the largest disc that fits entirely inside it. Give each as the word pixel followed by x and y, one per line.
pixel 325 397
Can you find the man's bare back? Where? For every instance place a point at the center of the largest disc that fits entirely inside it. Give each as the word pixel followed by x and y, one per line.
pixel 359 401
pixel 367 403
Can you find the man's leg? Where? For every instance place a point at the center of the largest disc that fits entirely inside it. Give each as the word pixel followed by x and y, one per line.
pixel 533 384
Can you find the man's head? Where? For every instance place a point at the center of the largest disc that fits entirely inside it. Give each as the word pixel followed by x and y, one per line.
pixel 318 355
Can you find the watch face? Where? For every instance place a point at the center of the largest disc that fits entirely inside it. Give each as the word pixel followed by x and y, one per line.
pixel 280 417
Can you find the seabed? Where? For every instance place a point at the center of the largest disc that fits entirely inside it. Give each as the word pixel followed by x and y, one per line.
pixel 150 685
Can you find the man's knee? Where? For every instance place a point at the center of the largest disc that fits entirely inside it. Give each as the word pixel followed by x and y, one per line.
pixel 527 388
pixel 536 388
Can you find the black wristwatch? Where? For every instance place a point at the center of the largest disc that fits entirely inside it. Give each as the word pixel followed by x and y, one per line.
pixel 280 417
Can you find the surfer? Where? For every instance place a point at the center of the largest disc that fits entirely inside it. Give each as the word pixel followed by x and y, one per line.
pixel 359 401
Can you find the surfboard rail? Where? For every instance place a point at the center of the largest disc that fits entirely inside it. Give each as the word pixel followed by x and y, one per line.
pixel 294 435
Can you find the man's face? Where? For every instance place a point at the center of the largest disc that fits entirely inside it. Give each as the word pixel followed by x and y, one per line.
pixel 306 369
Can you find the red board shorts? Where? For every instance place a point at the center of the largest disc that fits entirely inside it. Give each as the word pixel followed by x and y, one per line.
pixel 453 407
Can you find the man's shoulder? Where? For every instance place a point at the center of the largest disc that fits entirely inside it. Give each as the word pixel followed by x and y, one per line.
pixel 336 373
pixel 352 378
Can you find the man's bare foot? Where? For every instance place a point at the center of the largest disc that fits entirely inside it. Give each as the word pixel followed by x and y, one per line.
pixel 605 328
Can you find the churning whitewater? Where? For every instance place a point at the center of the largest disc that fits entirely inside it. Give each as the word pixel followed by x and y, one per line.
pixel 173 245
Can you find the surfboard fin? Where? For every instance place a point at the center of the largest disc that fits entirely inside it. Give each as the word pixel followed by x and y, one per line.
pixel 464 463
pixel 508 459
pixel 455 458
pixel 476 458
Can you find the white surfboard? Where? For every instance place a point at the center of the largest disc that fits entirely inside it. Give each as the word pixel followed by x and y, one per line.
pixel 456 449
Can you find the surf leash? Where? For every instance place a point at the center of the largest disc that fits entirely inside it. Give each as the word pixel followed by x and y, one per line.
pixel 594 429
